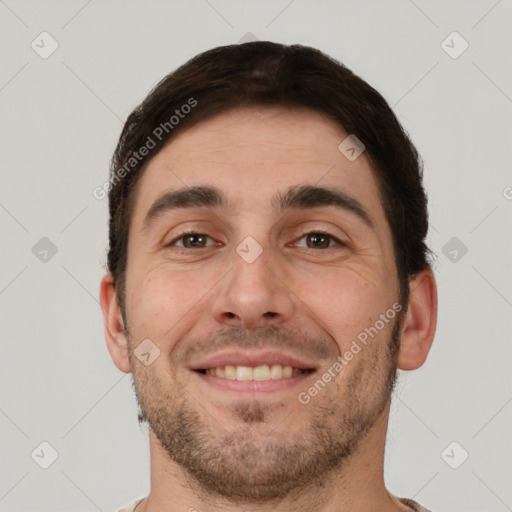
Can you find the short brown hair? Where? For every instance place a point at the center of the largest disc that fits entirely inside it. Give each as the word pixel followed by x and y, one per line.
pixel 264 73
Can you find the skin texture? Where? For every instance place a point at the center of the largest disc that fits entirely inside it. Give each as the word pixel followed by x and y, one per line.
pixel 213 449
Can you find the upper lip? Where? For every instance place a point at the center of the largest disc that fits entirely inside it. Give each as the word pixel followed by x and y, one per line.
pixel 245 357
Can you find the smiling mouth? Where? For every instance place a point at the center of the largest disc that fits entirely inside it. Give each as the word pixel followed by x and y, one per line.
pixel 258 373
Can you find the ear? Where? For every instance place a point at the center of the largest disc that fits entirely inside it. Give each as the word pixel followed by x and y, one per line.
pixel 420 322
pixel 115 337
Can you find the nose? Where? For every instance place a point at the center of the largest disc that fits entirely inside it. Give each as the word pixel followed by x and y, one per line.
pixel 256 294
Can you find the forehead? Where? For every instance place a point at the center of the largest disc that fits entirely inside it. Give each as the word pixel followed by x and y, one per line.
pixel 252 153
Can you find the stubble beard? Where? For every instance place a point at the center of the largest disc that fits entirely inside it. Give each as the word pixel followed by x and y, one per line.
pixel 243 468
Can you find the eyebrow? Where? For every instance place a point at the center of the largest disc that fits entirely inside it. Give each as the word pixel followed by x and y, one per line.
pixel 294 198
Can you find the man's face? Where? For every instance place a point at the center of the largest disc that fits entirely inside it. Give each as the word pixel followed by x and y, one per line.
pixel 261 286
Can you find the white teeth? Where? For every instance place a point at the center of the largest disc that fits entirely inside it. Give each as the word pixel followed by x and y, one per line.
pixel 230 372
pixel 262 372
pixel 243 373
pixel 276 371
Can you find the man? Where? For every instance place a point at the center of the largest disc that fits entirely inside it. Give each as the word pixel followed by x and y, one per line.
pixel 268 274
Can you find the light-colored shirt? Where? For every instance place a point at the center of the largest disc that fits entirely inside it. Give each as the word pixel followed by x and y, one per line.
pixel 130 507
pixel 415 507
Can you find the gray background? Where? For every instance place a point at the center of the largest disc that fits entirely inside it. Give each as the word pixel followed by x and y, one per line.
pixel 61 119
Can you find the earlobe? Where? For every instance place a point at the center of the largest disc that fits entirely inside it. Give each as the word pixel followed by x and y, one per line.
pixel 117 344
pixel 420 321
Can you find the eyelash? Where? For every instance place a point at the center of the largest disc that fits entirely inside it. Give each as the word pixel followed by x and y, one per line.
pixel 315 232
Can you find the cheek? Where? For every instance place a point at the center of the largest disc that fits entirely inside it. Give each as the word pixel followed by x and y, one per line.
pixel 344 301
pixel 160 300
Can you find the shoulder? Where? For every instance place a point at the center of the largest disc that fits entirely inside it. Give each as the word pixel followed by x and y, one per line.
pixel 413 505
pixel 131 506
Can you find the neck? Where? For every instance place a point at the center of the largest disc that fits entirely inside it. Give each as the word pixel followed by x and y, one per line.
pixel 357 487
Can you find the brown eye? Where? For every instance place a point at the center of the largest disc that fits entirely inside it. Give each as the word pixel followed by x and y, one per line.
pixel 320 240
pixel 195 240
pixel 190 240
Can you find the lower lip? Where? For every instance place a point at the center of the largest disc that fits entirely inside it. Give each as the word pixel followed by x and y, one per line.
pixel 253 386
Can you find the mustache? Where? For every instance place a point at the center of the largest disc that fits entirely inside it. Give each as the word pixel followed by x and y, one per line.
pixel 269 336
